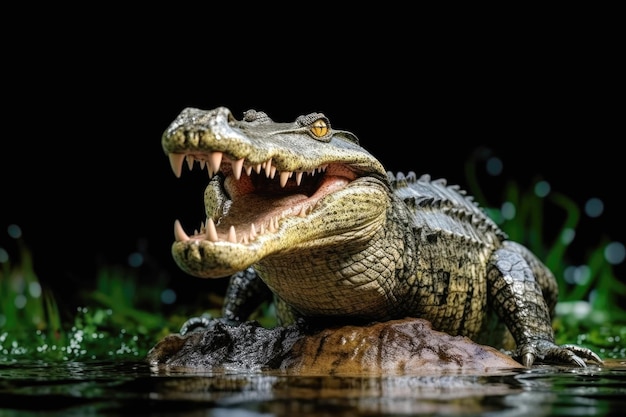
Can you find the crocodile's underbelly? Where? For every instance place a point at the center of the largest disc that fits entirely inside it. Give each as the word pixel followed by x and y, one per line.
pixel 349 289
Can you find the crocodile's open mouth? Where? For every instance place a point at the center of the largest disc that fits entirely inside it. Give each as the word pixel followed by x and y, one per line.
pixel 247 200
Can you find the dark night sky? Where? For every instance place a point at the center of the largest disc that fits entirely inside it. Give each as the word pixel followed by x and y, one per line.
pixel 84 176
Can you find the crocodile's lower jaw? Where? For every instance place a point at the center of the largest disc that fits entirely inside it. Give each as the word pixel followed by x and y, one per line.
pixel 206 259
pixel 200 256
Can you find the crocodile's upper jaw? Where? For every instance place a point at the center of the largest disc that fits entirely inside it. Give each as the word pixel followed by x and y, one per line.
pixel 278 189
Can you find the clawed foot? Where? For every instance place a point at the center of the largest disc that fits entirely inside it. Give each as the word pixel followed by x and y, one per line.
pixel 548 351
pixel 204 322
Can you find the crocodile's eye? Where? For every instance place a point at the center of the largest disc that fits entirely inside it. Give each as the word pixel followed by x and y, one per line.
pixel 316 125
pixel 319 128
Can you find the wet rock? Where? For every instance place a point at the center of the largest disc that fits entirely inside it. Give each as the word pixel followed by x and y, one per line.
pixel 248 346
pixel 399 346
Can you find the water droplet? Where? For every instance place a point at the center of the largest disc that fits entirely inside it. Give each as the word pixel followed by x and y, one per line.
pixel 494 166
pixel 14 231
pixel 594 207
pixel 567 235
pixel 168 296
pixel 34 289
pixel 615 253
pixel 508 210
pixel 542 189
pixel 578 275
pixel 20 301
pixel 4 256
pixel 135 259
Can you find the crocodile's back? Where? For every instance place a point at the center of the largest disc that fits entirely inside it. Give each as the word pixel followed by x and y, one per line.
pixel 455 240
pixel 440 206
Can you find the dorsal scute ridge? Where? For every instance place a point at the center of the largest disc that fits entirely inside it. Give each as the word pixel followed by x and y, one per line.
pixel 399 179
pixel 424 192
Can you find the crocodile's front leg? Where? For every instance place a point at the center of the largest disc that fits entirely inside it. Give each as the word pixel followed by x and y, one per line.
pixel 245 292
pixel 516 296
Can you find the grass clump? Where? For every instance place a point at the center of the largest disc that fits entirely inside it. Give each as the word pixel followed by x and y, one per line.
pixel 112 325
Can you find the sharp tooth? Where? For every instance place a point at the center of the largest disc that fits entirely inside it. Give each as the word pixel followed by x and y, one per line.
pixel 189 160
pixel 179 233
pixel 237 167
pixel 272 172
pixel 249 170
pixel 284 176
pixel 215 160
pixel 257 168
pixel 299 177
pixel 176 162
pixel 268 167
pixel 211 232
pixel 202 163
pixel 302 211
pixel 232 235
pixel 252 231
pixel 271 227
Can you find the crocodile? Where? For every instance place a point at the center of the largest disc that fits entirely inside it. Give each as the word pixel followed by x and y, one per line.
pixel 302 213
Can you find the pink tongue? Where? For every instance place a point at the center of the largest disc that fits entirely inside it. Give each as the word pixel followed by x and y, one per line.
pixel 247 207
pixel 259 209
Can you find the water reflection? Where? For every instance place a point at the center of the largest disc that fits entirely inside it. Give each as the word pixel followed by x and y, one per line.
pixel 103 388
pixel 366 394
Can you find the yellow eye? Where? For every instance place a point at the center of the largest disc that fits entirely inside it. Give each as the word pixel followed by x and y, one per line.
pixel 319 128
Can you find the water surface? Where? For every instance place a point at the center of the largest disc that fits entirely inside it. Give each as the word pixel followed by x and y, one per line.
pixel 135 388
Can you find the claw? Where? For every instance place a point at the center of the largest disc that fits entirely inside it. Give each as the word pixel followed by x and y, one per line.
pixel 528 359
pixel 205 322
pixel 547 350
pixel 584 353
pixel 195 323
pixel 596 358
pixel 578 361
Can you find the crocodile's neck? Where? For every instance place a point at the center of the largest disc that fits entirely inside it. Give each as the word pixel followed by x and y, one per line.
pixel 347 276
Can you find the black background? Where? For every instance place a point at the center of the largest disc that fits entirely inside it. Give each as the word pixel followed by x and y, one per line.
pixel 84 106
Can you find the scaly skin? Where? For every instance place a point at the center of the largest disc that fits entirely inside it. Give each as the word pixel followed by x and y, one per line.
pixel 304 211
